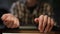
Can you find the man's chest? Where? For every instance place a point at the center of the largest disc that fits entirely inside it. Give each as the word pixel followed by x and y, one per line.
pixel 28 14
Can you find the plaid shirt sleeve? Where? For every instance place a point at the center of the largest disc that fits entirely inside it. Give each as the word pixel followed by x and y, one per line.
pixel 16 9
pixel 13 9
pixel 47 9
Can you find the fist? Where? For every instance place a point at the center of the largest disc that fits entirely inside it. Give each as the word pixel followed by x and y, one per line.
pixel 10 21
pixel 45 23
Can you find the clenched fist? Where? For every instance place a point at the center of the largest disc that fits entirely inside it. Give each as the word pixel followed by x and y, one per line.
pixel 10 21
pixel 45 23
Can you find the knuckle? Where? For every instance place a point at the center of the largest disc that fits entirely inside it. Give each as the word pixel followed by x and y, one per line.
pixel 41 16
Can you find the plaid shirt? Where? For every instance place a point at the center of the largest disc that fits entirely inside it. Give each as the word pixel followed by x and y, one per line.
pixel 20 11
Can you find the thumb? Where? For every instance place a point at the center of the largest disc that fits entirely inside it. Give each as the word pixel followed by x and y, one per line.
pixel 36 20
pixel 4 17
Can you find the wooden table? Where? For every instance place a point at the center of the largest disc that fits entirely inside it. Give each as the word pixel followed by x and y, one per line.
pixel 33 33
pixel 26 32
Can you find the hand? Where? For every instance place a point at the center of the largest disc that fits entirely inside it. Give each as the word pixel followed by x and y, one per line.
pixel 45 23
pixel 10 21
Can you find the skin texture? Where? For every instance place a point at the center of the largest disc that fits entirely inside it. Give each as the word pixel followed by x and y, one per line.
pixel 45 23
pixel 10 21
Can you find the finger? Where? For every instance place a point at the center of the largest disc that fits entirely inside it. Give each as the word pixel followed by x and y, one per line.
pixel 36 20
pixel 16 23
pixel 41 22
pixel 7 20
pixel 4 23
pixel 9 25
pixel 52 24
pixel 4 17
pixel 10 22
pixel 14 26
pixel 48 25
pixel 45 21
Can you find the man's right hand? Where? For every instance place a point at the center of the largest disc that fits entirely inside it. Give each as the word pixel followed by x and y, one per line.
pixel 10 21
